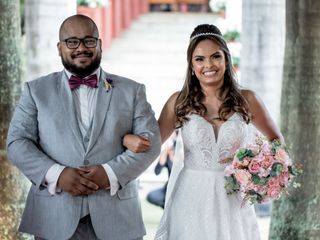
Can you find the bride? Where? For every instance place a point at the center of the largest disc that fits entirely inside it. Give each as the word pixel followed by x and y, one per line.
pixel 213 114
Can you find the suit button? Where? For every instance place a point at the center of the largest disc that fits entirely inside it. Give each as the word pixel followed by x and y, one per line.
pixel 86 162
pixel 86 139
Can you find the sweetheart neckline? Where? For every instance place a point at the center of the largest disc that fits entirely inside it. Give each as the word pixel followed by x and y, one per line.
pixel 216 137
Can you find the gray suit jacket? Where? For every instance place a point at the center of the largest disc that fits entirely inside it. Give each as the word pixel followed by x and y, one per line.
pixel 44 130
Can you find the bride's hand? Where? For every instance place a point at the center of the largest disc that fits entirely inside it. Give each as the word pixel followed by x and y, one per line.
pixel 135 143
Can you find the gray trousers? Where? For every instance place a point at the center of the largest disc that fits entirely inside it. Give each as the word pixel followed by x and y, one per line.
pixel 84 231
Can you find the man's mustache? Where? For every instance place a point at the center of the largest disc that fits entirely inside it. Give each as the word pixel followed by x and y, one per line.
pixel 85 54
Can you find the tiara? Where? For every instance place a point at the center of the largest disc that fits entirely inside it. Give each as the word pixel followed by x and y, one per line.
pixel 206 34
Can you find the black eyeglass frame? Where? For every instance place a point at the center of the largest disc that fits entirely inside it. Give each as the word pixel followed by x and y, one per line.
pixel 80 40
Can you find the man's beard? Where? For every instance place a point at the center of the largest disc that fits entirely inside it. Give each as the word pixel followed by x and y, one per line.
pixel 79 71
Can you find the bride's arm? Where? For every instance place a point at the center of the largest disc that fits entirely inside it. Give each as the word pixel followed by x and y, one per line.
pixel 168 118
pixel 261 118
pixel 166 122
pixel 136 143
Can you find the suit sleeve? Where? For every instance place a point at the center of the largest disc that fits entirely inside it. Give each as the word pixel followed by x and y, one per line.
pixel 22 141
pixel 129 165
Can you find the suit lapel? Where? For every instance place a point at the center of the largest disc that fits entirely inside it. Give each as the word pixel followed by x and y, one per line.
pixel 69 109
pixel 102 106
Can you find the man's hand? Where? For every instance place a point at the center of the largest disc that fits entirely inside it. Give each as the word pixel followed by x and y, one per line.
pixel 96 174
pixel 71 181
pixel 135 143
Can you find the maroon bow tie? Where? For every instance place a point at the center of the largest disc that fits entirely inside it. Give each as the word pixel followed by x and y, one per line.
pixel 75 82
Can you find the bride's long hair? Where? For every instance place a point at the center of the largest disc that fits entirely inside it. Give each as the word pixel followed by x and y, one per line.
pixel 191 96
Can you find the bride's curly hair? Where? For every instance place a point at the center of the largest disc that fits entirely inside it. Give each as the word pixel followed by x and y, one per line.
pixel 191 96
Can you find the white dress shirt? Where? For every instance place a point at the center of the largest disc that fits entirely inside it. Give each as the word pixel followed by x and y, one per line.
pixel 85 102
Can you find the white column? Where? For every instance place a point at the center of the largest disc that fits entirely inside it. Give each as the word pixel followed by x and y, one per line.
pixel 42 22
pixel 263 38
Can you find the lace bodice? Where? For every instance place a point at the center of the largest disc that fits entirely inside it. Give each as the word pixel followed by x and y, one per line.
pixel 203 150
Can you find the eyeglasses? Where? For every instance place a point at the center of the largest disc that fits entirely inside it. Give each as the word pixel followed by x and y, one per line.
pixel 73 43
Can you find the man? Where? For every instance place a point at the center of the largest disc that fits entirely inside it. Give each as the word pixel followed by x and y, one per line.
pixel 66 137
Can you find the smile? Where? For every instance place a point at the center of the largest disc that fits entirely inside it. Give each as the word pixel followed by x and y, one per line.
pixel 82 56
pixel 210 73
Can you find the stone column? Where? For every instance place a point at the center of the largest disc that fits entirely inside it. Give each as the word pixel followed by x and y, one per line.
pixel 261 62
pixel 43 19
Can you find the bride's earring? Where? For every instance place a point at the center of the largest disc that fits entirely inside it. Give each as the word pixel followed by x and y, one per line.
pixel 192 73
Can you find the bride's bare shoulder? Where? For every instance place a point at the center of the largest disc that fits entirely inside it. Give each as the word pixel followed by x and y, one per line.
pixel 168 117
pixel 172 99
pixel 253 100
pixel 249 95
pixel 174 96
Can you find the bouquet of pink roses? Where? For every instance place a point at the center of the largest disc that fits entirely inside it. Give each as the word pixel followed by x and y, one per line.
pixel 260 172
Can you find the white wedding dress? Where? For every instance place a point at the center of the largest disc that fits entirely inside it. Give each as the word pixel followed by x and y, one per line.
pixel 198 207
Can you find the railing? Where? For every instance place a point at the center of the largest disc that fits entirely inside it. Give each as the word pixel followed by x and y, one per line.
pixel 182 5
pixel 117 16
pixel 178 1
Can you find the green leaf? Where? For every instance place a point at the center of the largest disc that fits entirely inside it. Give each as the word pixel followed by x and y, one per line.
pixel 244 152
pixel 254 197
pixel 259 180
pixel 231 185
pixel 241 154
pixel 255 179
pixel 275 145
pixel 273 173
pixel 276 169
pixel 263 181
pixel 250 153
pixel 295 171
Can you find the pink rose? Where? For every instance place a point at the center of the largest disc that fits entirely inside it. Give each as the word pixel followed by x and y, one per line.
pixel 250 186
pixel 262 190
pixel 254 166
pixel 238 163
pixel 245 162
pixel 242 176
pixel 274 182
pixel 267 162
pixel 284 179
pixel 266 149
pixel 263 172
pixel 274 192
pixel 282 155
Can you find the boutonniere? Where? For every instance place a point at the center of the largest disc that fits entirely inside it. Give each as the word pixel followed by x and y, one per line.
pixel 108 84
